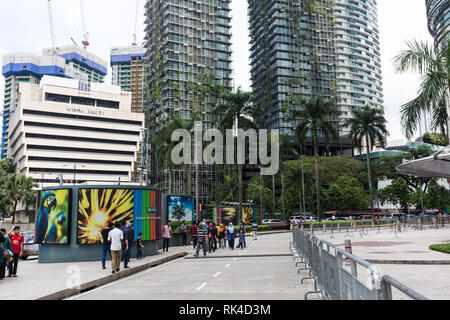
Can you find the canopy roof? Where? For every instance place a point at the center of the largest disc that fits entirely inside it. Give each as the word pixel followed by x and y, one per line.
pixel 437 165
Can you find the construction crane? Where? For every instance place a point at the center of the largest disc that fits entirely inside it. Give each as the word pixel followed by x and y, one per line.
pixel 85 41
pixel 52 28
pixel 135 24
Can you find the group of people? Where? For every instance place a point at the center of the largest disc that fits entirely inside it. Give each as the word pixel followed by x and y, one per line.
pixel 11 248
pixel 118 240
pixel 207 235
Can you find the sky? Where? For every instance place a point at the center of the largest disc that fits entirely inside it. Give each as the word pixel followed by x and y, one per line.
pixel 25 27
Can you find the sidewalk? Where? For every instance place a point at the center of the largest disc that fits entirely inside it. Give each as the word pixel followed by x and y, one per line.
pixel 51 280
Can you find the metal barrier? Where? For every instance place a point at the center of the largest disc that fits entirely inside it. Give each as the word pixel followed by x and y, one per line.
pixel 334 281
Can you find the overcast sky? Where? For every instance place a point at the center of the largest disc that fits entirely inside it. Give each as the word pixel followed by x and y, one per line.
pixel 25 27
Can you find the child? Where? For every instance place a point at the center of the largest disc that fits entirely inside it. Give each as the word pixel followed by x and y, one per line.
pixel 139 246
pixel 241 239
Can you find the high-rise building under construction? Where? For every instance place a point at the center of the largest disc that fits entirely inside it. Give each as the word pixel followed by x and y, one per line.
pixel 68 62
pixel 188 58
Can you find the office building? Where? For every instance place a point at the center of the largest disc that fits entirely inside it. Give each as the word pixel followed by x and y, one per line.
pixel 188 53
pixel 68 62
pixel 438 13
pixel 86 132
pixel 127 65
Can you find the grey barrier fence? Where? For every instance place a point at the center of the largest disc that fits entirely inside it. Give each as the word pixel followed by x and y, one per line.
pixel 335 272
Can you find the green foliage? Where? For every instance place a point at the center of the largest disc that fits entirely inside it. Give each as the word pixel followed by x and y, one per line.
pixel 253 194
pixel 397 193
pixel 435 138
pixel 444 248
pixel 346 194
pixel 17 188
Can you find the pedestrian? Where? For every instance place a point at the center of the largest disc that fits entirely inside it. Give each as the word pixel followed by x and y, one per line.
pixel 6 252
pixel 241 239
pixel 225 232
pixel 194 234
pixel 221 235
pixel 139 246
pixel 201 239
pixel 17 246
pixel 115 237
pixel 254 229
pixel 215 233
pixel 183 232
pixel 242 228
pixel 125 247
pixel 231 235
pixel 106 245
pixel 167 235
pixel 130 237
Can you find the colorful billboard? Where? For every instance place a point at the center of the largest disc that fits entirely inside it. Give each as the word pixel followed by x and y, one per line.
pixel 180 208
pixel 52 218
pixel 225 215
pixel 148 214
pixel 98 207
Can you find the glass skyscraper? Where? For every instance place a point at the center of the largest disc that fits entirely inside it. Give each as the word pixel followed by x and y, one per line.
pixel 188 56
pixel 438 12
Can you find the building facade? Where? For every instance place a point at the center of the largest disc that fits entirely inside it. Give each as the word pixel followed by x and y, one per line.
pixel 68 62
pixel 127 65
pixel 301 49
pixel 87 134
pixel 438 13
pixel 188 58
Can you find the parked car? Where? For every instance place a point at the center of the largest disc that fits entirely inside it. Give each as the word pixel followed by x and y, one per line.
pixel 296 219
pixel 336 219
pixel 276 224
pixel 29 247
pixel 311 219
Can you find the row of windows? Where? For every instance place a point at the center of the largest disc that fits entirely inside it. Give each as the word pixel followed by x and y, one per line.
pixel 82 128
pixel 81 100
pixel 70 149
pixel 90 161
pixel 68 138
pixel 95 172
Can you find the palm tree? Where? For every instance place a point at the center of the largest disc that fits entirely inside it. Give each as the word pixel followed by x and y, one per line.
pixel 19 188
pixel 286 147
pixel 368 126
pixel 314 118
pixel 433 65
pixel 238 109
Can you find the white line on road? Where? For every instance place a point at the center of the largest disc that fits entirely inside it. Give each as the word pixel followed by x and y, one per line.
pixel 217 274
pixel 202 286
pixel 227 265
pixel 234 259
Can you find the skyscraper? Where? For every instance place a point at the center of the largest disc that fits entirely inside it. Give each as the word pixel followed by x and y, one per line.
pixel 309 48
pixel 438 12
pixel 127 65
pixel 68 62
pixel 188 59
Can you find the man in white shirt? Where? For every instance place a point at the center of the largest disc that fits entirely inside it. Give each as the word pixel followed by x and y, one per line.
pixel 115 236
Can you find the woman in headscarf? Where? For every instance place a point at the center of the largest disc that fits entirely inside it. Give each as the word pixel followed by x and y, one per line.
pixel 222 234
pixel 231 235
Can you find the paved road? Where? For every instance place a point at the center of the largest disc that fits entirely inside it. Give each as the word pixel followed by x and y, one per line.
pixel 228 274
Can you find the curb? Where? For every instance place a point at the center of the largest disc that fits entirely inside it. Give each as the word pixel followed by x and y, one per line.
pixel 66 293
pixel 410 262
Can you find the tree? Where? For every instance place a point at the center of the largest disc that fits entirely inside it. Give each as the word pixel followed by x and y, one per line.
pixel 346 194
pixel 368 126
pixel 19 188
pixel 238 110
pixel 397 193
pixel 314 118
pixel 435 138
pixel 253 194
pixel 433 65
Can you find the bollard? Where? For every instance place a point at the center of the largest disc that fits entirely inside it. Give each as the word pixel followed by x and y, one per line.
pixel 339 227
pixel 348 248
pixel 312 228
pixel 324 228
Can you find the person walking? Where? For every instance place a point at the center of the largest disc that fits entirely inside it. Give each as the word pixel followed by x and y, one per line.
pixel 194 234
pixel 254 229
pixel 242 228
pixel 125 247
pixel 167 235
pixel 221 235
pixel 106 245
pixel 241 239
pixel 130 238
pixel 115 237
pixel 231 235
pixel 201 239
pixel 215 233
pixel 139 246
pixel 17 246
pixel 5 254
pixel 183 232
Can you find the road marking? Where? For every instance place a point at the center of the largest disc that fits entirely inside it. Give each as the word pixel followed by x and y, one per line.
pixel 202 286
pixel 241 253
pixel 234 259
pixel 217 274
pixel 227 265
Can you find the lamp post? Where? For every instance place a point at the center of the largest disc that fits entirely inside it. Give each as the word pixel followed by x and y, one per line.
pixel 74 171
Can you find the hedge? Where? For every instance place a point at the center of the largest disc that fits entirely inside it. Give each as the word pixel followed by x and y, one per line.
pixel 444 248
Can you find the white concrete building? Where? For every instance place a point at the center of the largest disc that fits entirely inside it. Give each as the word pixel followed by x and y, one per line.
pixel 84 131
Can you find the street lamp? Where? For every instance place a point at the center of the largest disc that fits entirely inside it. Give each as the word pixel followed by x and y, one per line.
pixel 74 171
